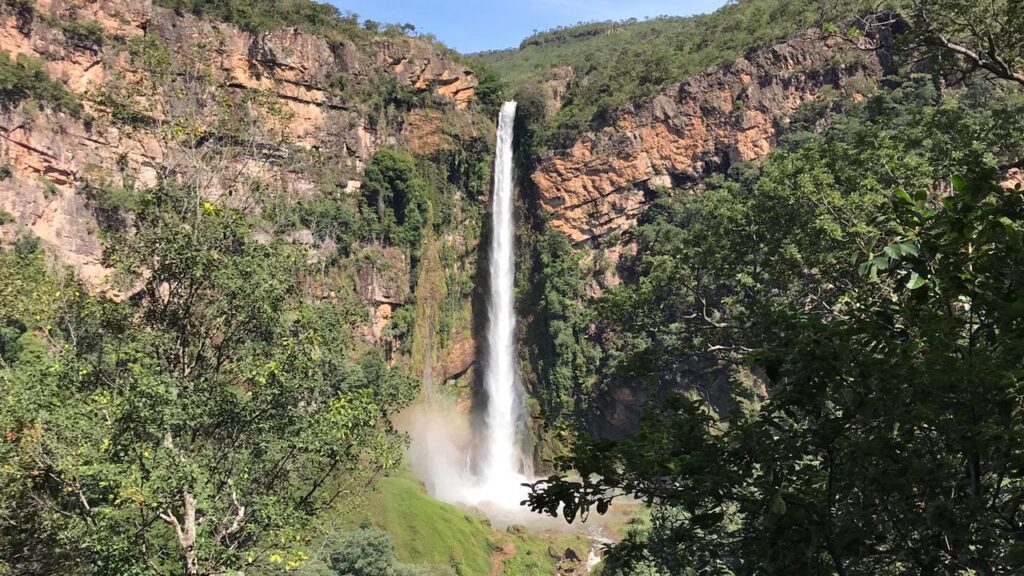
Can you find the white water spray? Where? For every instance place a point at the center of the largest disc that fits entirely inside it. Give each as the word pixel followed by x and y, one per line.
pixel 500 474
pixel 489 471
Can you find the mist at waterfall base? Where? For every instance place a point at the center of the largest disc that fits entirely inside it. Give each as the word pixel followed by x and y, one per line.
pixel 483 468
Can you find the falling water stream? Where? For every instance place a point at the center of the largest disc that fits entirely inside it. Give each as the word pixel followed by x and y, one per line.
pixel 502 463
pixel 486 471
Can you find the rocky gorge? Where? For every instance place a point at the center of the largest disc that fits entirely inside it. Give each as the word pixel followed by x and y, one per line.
pixel 301 96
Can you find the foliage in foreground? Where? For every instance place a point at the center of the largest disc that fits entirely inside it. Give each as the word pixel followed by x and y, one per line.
pixel 886 322
pixel 193 428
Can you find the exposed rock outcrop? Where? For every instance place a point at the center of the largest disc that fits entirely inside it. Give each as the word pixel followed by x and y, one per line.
pixel 296 91
pixel 383 276
pixel 600 184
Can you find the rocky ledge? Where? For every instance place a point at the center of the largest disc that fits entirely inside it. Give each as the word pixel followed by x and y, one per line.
pixel 309 84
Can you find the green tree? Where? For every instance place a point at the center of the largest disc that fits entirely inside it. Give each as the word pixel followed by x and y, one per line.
pixel 196 426
pixel 24 77
pixel 886 328
pixel 397 198
pixel 890 441
pixel 364 552
pixel 566 359
pixel 978 35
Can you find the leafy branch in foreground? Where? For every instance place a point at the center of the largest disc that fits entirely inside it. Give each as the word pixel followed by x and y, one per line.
pixel 985 35
pixel 197 426
pixel 891 442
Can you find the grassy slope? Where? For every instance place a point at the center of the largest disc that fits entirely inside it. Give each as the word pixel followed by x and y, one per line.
pixel 429 532
pixel 536 555
pixel 447 540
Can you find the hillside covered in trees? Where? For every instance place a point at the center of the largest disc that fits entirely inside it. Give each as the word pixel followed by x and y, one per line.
pixel 769 288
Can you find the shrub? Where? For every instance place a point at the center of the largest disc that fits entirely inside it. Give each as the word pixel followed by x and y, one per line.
pixel 151 53
pixel 26 246
pixel 49 188
pixel 83 34
pixel 364 552
pixel 21 6
pixel 24 78
pixel 397 193
pixel 261 15
pixel 119 100
pixel 327 218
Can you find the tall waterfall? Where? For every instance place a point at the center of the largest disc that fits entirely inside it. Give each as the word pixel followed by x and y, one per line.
pixel 502 461
pixel 487 471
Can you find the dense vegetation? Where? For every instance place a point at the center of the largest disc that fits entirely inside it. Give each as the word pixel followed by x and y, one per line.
pixel 615 64
pixel 198 423
pixel 869 275
pixel 219 410
pixel 23 77
pixel 261 15
pixel 855 297
pixel 618 63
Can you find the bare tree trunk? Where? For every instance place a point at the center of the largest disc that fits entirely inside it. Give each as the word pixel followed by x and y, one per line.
pixel 187 538
pixel 185 531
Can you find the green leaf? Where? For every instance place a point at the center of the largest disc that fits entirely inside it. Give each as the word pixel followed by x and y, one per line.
pixel 914 281
pixel 909 247
pixel 902 195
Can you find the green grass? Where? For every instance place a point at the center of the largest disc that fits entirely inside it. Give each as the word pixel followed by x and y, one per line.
pixel 428 532
pixel 538 554
pixel 441 539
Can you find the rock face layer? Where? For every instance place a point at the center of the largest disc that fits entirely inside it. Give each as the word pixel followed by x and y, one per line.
pixel 599 185
pixel 297 92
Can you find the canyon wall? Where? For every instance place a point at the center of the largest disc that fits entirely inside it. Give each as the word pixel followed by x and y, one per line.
pixel 594 191
pixel 164 94
pixel 600 184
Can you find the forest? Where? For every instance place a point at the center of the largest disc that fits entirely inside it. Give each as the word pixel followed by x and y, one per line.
pixel 821 346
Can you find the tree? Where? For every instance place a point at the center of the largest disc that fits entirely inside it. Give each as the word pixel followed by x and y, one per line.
pixel 885 327
pixel 394 189
pixel 565 358
pixel 890 442
pixel 983 35
pixel 199 424
pixel 364 552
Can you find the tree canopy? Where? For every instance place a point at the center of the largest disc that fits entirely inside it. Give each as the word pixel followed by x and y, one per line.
pixel 878 309
pixel 193 427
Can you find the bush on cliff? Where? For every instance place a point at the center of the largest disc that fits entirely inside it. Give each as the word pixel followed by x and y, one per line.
pixel 24 78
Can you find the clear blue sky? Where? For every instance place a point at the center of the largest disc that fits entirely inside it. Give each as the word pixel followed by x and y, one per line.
pixel 475 25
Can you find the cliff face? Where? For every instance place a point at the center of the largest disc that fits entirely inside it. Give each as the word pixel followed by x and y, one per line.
pixel 296 88
pixel 249 119
pixel 599 185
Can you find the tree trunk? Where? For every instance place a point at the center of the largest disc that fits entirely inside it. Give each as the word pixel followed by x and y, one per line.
pixel 187 536
pixel 185 532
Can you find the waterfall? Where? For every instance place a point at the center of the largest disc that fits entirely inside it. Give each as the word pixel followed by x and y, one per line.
pixel 501 462
pixel 488 471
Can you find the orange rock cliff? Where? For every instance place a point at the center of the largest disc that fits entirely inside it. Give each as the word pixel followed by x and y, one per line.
pixel 292 75
pixel 600 183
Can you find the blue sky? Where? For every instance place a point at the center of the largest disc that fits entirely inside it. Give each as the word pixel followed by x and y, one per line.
pixel 474 25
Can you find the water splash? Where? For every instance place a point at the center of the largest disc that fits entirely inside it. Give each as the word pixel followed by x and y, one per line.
pixel 502 463
pixel 441 452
